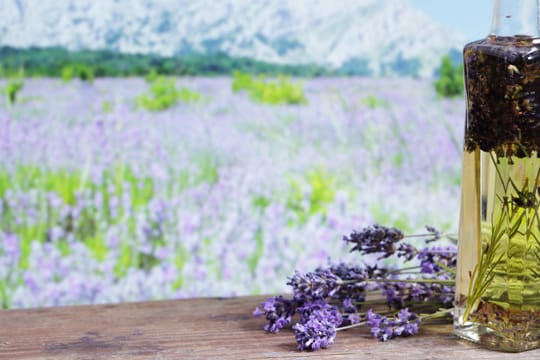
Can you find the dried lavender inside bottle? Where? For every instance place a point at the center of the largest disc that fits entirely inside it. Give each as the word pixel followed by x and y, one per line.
pixel 503 86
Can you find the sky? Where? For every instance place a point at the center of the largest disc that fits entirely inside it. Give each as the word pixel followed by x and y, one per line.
pixel 470 17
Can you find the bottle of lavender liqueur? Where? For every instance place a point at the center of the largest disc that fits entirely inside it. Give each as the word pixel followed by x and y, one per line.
pixel 498 275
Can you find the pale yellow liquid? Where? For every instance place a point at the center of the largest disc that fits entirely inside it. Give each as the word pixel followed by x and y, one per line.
pixel 498 275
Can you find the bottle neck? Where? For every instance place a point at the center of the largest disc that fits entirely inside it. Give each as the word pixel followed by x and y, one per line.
pixel 515 18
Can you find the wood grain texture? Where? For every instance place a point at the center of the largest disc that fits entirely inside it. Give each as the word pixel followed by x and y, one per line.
pixel 201 329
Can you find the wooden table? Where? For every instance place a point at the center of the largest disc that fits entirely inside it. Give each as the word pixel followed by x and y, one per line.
pixel 201 329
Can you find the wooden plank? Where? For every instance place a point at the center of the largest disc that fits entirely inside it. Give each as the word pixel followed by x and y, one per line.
pixel 200 329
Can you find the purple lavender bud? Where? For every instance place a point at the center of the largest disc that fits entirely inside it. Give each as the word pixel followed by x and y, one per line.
pixel 316 333
pixel 447 294
pixel 408 323
pixel 316 285
pixel 373 319
pixel 278 312
pixel 353 319
pixel 258 312
pixel 375 239
pixel 406 251
pixel 322 308
pixel 436 233
pixel 395 294
pixel 404 324
pixel 348 306
pixel 431 257
pixel 399 295
pixel 353 280
pixel 317 326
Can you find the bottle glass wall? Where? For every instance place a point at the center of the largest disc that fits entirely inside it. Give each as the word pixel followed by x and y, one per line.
pixel 498 275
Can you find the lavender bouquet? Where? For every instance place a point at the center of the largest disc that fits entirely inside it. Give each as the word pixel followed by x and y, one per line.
pixel 342 296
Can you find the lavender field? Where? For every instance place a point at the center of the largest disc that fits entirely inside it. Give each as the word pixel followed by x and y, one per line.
pixel 103 202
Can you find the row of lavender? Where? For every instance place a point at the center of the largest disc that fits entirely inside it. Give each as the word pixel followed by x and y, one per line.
pixel 221 197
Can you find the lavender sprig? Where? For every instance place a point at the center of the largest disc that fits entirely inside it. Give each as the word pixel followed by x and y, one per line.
pixel 434 259
pixel 383 328
pixel 375 239
pixel 277 311
pixel 320 284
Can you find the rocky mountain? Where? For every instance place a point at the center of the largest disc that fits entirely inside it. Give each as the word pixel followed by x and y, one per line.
pixel 378 36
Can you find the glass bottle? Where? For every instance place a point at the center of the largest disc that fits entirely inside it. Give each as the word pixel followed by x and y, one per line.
pixel 498 271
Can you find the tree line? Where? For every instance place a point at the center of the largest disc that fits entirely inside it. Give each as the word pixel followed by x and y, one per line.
pixel 57 61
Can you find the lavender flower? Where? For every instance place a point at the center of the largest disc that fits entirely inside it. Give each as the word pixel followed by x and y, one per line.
pixel 278 312
pixel 322 308
pixel 435 232
pixel 316 333
pixel 431 258
pixel 317 326
pixel 375 239
pixel 404 324
pixel 401 294
pixel 406 251
pixel 316 285
pixel 353 279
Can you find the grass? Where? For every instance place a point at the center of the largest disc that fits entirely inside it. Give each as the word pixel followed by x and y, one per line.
pixel 277 92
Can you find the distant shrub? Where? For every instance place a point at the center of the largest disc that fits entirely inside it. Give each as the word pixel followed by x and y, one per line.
pixel 450 82
pixel 241 81
pixel 282 91
pixel 12 89
pixel 68 72
pixel 151 76
pixel 163 95
pixel 83 72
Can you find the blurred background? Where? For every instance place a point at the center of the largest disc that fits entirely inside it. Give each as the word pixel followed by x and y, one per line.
pixel 154 149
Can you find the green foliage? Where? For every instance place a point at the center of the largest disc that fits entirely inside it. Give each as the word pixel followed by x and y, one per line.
pixel 450 82
pixel 59 62
pixel 241 81
pixel 282 91
pixel 66 184
pixel 163 95
pixel 186 95
pixel 85 73
pixel 253 259
pixel 12 89
pixel 310 196
pixel 181 258
pixel 82 71
pixel 119 181
pixel 107 106
pixel 373 102
pixel 68 73
pixel 151 76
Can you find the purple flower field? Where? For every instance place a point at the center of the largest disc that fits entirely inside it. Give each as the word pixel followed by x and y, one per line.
pixel 101 202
